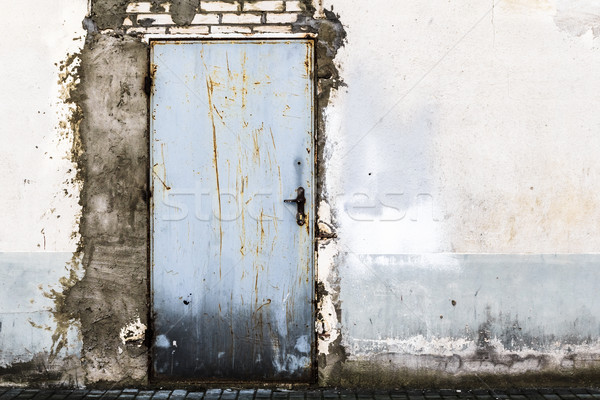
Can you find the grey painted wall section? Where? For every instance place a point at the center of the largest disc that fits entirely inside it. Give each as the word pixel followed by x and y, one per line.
pixel 537 303
pixel 441 319
pixel 26 320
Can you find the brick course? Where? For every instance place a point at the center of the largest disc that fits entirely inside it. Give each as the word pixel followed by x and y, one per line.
pixel 220 17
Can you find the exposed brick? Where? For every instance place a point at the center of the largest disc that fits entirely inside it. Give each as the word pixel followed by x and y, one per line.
pixel 273 29
pixel 205 19
pixel 151 29
pixel 281 18
pixel 219 6
pixel 230 29
pixel 264 5
pixel 294 5
pixel 127 22
pixel 190 30
pixel 139 7
pixel 159 19
pixel 241 19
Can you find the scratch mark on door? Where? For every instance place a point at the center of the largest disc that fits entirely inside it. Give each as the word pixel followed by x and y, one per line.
pixel 209 88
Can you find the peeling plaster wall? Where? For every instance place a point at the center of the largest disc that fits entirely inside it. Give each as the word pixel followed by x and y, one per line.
pixel 39 197
pixel 463 178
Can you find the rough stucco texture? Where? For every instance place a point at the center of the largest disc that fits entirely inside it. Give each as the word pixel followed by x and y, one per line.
pixel 113 292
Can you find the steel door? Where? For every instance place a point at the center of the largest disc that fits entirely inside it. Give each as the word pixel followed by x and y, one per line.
pixel 232 268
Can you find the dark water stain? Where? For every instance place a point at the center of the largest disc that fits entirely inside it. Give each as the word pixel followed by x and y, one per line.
pixel 221 345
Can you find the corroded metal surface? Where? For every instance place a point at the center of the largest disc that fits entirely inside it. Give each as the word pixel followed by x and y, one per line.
pixel 232 137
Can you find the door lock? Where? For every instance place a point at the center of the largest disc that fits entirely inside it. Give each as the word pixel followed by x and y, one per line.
pixel 300 200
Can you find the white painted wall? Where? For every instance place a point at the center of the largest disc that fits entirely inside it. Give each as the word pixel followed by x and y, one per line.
pixel 466 127
pixel 488 110
pixel 39 202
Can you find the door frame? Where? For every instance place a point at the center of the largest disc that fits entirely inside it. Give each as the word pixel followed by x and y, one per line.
pixel 149 88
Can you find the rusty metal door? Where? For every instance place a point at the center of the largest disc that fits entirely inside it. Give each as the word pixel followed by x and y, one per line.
pixel 232 263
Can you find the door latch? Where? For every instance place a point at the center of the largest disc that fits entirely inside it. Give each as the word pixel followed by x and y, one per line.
pixel 300 200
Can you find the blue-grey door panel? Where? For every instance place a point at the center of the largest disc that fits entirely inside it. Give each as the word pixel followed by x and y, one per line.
pixel 232 269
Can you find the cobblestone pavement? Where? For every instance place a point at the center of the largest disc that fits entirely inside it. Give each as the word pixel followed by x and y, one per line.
pixel 315 394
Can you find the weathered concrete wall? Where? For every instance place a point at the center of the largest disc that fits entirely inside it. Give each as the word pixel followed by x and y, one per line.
pixel 457 191
pixel 111 300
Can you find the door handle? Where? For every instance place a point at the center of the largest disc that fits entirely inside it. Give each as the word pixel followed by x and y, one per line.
pixel 300 200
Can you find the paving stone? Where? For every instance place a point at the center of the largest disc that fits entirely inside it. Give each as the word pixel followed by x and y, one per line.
pixel 280 394
pixel 194 396
pixel 26 395
pixel 518 397
pixel 347 394
pixel 313 395
pixel 246 394
pixel 94 395
pixel 432 394
pixel 446 392
pixel 579 391
pixel 10 394
pixel 531 395
pixel 58 396
pixel 330 394
pixel 111 394
pixel 78 394
pixel 144 394
pixel 178 395
pixel 161 395
pixel 570 396
pixel 212 394
pixel 551 396
pixel 229 394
